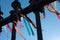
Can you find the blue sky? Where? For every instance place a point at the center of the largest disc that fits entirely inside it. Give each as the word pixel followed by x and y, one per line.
pixel 50 25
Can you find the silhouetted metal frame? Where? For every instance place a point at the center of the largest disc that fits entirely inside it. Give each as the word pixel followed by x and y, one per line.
pixel 25 11
pixel 38 23
pixel 13 37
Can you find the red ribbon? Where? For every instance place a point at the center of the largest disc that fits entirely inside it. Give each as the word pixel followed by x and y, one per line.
pixel 57 14
pixel 9 27
pixel 19 23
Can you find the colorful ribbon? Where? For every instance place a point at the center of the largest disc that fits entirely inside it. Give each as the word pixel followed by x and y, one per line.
pixel 30 27
pixel 55 5
pixel 26 26
pixel 31 21
pixel 19 33
pixel 17 30
pixel 18 22
pixel 52 9
pixel 9 27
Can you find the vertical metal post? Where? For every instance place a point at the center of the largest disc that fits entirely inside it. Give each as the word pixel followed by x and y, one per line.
pixel 15 5
pixel 13 32
pixel 38 23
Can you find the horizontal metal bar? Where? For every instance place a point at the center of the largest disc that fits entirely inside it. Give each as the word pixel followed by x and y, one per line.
pixel 25 11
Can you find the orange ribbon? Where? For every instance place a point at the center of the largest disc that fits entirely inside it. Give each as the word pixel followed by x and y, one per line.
pixel 19 33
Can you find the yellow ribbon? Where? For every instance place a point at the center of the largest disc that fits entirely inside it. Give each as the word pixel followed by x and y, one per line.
pixel 55 5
